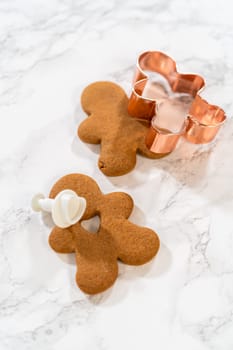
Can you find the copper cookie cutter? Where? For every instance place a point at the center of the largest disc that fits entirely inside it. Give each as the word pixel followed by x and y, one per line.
pixel 175 113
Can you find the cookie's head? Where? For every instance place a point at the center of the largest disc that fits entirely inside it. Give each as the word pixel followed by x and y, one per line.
pixel 103 96
pixel 84 186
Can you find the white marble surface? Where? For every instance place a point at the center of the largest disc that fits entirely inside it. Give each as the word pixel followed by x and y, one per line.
pixel 50 50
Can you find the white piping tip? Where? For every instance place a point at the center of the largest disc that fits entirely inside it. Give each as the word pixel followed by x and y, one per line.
pixel 66 208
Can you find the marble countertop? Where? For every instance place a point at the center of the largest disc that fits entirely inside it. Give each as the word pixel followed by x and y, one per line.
pixel 183 299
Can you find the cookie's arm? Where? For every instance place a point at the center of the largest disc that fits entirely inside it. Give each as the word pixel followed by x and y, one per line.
pixel 116 205
pixel 61 240
pixel 88 131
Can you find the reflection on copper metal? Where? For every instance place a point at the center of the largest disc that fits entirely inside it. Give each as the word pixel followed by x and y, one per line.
pixel 170 101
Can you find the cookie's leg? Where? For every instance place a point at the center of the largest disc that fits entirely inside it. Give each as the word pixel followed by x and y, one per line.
pixel 117 157
pixel 97 262
pixel 136 245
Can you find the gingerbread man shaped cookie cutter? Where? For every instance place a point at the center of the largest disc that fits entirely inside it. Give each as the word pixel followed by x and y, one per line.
pixel 201 120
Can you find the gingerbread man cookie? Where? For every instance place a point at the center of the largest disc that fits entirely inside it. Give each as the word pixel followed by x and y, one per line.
pixel 117 238
pixel 109 124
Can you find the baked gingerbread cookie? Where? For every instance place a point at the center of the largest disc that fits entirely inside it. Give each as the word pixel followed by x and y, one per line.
pixel 117 237
pixel 109 124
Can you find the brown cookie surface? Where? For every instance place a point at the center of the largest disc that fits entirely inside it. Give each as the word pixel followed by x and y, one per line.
pixel 117 238
pixel 109 124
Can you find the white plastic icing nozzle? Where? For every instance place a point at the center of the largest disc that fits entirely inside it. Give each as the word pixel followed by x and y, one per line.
pixel 66 208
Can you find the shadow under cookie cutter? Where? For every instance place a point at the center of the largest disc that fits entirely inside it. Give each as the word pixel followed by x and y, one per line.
pixel 201 120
